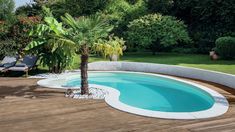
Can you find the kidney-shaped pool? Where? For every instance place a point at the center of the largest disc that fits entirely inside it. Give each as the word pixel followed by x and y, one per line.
pixel 155 95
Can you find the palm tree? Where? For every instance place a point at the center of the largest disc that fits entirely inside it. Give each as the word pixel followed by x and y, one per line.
pixel 85 32
pixel 75 36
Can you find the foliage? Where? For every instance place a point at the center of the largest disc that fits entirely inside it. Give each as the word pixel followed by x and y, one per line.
pixel 28 10
pixel 50 44
pixel 35 8
pixel 6 10
pixel 4 29
pixel 225 46
pixel 8 47
pixel 160 6
pixel 154 30
pixel 86 30
pixel 7 18
pixel 207 20
pixel 19 31
pixel 14 36
pixel 121 12
pixel 45 2
pixel 113 46
pixel 77 8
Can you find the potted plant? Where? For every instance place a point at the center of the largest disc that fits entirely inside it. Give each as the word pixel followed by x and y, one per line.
pixel 213 54
pixel 112 48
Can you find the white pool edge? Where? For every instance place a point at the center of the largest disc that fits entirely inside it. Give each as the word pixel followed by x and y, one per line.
pixel 220 106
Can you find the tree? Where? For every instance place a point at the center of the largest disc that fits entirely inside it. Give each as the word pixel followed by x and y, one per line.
pixel 207 20
pixel 28 10
pixel 75 8
pixel 19 31
pixel 45 2
pixel 154 31
pixel 85 32
pixel 160 6
pixel 6 9
pixel 72 36
pixel 121 12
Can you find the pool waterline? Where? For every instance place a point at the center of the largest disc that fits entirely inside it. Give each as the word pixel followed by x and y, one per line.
pixel 200 106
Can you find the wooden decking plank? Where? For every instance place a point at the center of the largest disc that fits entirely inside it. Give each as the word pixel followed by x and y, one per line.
pixel 50 111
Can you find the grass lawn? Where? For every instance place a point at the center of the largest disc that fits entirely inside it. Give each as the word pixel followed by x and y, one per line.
pixel 189 60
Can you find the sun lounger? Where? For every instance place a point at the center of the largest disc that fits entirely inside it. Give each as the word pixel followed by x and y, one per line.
pixel 7 62
pixel 28 63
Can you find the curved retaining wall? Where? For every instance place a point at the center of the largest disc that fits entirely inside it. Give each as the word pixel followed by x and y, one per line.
pixel 211 76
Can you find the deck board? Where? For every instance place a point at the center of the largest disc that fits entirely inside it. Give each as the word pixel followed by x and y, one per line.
pixel 50 111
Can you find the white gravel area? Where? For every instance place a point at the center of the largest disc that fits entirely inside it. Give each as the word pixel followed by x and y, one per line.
pixel 94 93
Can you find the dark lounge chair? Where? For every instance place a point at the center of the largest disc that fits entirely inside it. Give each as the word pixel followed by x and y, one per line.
pixel 28 63
pixel 7 62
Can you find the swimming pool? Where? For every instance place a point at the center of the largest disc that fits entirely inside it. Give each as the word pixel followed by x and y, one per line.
pixel 155 95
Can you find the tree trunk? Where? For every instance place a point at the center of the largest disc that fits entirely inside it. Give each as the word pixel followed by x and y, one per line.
pixel 84 68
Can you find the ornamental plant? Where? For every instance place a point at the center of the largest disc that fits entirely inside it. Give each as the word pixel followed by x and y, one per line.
pixel 49 43
pixel 155 30
pixel 225 46
pixel 112 48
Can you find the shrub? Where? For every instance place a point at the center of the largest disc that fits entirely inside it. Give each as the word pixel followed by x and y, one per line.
pixel 8 47
pixel 155 31
pixel 225 46
pixel 19 31
pixel 4 29
pixel 50 45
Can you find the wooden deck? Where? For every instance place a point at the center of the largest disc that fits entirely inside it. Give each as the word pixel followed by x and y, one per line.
pixel 25 107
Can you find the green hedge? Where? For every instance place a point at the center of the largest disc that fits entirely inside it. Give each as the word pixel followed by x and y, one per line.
pixel 225 46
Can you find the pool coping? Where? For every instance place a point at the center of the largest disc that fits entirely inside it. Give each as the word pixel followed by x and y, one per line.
pixel 220 106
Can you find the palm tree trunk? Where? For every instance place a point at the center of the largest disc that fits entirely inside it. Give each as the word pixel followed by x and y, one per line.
pixel 84 68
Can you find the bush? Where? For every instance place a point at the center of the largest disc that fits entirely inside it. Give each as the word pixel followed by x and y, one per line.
pixel 225 46
pixel 19 31
pixel 8 47
pixel 155 31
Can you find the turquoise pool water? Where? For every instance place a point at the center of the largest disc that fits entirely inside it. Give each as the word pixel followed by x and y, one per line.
pixel 152 92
